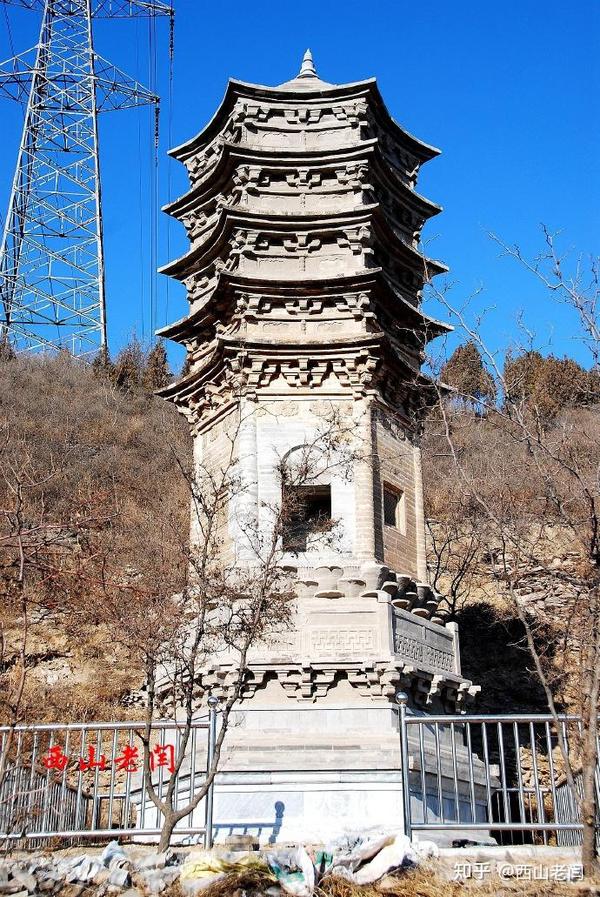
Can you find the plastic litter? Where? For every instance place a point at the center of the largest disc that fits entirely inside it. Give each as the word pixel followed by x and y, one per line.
pixel 362 858
pixel 294 871
pixel 204 868
pixel 365 858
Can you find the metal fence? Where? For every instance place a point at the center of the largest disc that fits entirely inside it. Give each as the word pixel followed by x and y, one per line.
pixel 500 775
pixel 467 776
pixel 86 780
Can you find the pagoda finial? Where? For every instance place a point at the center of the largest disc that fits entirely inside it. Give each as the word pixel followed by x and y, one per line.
pixel 307 69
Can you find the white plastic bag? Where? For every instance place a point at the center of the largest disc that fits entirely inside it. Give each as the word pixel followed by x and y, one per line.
pixel 294 871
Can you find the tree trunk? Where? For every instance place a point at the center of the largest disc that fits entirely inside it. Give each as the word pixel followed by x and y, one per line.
pixel 169 824
pixel 589 804
pixel 589 754
pixel 589 809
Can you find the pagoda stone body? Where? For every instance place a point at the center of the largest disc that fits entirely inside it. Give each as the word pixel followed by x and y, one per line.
pixel 304 278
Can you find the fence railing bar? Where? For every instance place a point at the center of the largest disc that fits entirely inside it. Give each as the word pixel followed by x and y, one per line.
pixel 486 760
pixel 178 799
pixel 507 814
pixel 78 727
pixel 501 826
pixel 143 800
pixel 551 768
pixel 192 771
pixel 455 772
pixel 471 774
pixel 488 718
pixel 210 753
pixel 161 775
pixel 127 802
pixel 46 801
pixel 423 772
pixel 536 778
pixel 82 748
pixel 519 772
pixel 438 763
pixel 111 793
pixel 63 785
pixel 99 833
pixel 31 796
pixel 96 777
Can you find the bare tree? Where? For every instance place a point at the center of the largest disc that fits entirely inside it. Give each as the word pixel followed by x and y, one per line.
pixel 535 484
pixel 39 567
pixel 187 605
pixel 454 548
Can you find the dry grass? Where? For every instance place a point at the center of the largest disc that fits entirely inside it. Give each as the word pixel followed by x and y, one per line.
pixel 422 882
pixel 248 881
pixel 425 883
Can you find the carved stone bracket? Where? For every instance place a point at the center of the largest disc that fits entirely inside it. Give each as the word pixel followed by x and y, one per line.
pixel 311 681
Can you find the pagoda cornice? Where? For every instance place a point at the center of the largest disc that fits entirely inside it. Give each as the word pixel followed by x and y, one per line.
pixel 371 279
pixel 325 346
pixel 242 346
pixel 234 154
pixel 199 257
pixel 220 176
pixel 282 96
pixel 371 282
pixel 242 350
pixel 370 368
pixel 393 242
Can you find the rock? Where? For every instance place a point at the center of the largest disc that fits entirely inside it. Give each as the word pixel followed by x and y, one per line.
pixel 158 879
pixel 11 887
pixel 152 861
pixel 120 877
pixel 84 869
pixel 26 880
pixel 71 890
pixel 113 851
pixel 155 883
pixel 132 892
pixel 243 843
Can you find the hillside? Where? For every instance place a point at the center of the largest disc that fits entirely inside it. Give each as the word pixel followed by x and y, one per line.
pixel 95 515
pixel 94 509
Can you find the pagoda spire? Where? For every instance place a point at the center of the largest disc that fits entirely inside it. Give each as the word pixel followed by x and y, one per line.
pixel 307 69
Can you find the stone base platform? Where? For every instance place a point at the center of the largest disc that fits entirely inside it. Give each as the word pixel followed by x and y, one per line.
pixel 312 772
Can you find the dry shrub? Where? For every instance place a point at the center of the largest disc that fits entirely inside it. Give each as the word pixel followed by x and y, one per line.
pixel 104 505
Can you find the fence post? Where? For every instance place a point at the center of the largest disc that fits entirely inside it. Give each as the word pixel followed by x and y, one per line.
pixel 402 701
pixel 212 738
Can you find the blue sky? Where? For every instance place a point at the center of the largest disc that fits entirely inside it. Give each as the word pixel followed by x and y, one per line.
pixel 508 90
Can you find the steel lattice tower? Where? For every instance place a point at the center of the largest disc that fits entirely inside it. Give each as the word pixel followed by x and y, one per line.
pixel 52 282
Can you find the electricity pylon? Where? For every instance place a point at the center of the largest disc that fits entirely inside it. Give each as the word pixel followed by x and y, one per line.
pixel 52 279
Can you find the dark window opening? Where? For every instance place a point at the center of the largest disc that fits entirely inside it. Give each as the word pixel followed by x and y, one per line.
pixel 307 511
pixel 393 508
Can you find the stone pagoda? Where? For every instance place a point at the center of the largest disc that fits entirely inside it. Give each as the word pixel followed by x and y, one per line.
pixel 304 277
